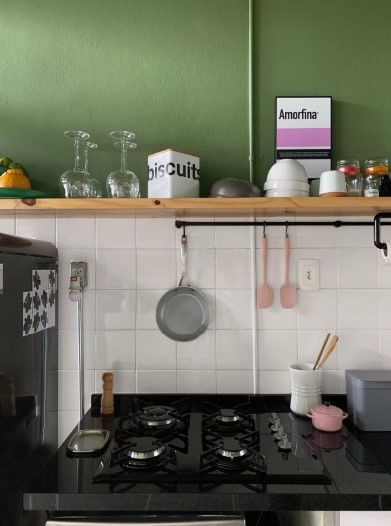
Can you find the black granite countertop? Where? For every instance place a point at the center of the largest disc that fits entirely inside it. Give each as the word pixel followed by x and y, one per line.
pixel 358 464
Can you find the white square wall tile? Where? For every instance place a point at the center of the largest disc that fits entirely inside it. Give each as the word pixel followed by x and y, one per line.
pixel 115 232
pixel 233 309
pixel 154 351
pixel 358 349
pixel 316 236
pixel 384 271
pixel 235 382
pixel 233 269
pixel 68 349
pixel 156 269
pixel 156 381
pixel 327 258
pixel 330 382
pixel 276 234
pixel 274 382
pixel 67 311
pixel 317 309
pixel 275 317
pixel 199 353
pixel 277 350
pixel 155 233
pixel 310 343
pixel 357 268
pixel 196 381
pixel 123 381
pixel 199 236
pixel 115 269
pixel 66 256
pixel 385 349
pixel 75 232
pixel 234 236
pixel 358 309
pixel 201 268
pixel 384 309
pixel 115 350
pixel 116 309
pixel 67 421
pixel 7 224
pixel 68 391
pixel 146 308
pixel 355 236
pixel 234 349
pixel 43 228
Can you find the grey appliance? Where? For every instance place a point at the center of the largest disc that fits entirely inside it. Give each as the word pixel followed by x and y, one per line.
pixel 28 370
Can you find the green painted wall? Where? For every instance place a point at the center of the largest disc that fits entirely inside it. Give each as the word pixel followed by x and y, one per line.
pixel 175 72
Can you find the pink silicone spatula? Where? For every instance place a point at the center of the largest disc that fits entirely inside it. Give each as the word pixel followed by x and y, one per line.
pixel 265 293
pixel 287 291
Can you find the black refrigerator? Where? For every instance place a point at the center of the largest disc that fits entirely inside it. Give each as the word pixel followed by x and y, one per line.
pixel 28 369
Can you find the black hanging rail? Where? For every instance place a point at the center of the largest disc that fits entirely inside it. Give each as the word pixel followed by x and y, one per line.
pixel 376 223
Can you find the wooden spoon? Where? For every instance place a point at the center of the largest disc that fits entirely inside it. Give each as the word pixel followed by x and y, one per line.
pixel 320 352
pixel 265 293
pixel 328 351
pixel 287 291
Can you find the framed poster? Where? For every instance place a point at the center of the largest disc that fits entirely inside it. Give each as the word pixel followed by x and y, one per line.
pixel 303 132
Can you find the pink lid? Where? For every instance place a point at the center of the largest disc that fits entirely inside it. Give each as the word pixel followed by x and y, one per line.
pixel 327 410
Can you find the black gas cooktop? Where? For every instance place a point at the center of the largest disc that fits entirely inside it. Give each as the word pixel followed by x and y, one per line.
pixel 208 441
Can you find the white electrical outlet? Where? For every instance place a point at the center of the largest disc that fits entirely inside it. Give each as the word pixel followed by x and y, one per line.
pixel 309 274
pixel 79 271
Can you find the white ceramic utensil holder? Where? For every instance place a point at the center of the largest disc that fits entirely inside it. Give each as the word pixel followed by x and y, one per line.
pixel 306 387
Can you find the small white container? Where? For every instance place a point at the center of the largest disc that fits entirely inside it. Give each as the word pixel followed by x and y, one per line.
pixel 306 387
pixel 332 184
pixel 172 173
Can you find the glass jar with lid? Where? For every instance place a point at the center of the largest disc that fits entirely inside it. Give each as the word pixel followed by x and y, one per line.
pixel 353 177
pixel 374 170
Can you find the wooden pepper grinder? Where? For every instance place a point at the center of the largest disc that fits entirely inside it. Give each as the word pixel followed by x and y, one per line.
pixel 107 402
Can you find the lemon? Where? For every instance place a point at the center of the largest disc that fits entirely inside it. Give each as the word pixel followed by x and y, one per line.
pixel 14 178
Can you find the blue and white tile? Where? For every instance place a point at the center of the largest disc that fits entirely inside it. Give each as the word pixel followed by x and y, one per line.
pixel 115 350
pixel 155 233
pixel 156 381
pixel 233 309
pixel 277 350
pixel 154 351
pixel 115 269
pixel 235 382
pixel 358 309
pixel 199 353
pixel 234 349
pixel 358 349
pixel 193 381
pixel 116 309
pixel 73 232
pixel 233 269
pixel 156 269
pixel 112 232
pixel 357 268
pixel 317 309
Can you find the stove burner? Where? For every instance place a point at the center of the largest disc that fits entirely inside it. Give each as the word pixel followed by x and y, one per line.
pixel 145 448
pixel 232 449
pixel 157 416
pixel 227 416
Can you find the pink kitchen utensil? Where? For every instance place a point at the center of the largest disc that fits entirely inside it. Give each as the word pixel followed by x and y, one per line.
pixel 265 293
pixel 287 290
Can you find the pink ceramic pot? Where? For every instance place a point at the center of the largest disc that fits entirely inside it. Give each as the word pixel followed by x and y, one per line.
pixel 327 417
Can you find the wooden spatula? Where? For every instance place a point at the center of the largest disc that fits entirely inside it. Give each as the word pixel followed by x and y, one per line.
pixel 265 293
pixel 287 291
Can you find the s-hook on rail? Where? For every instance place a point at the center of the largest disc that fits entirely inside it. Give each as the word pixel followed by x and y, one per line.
pixel 376 223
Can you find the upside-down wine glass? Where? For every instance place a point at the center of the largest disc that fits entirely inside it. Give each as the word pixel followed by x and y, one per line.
pixel 96 189
pixel 123 182
pixel 75 182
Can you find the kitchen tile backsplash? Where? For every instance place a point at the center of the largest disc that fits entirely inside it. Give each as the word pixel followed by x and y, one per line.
pixel 132 262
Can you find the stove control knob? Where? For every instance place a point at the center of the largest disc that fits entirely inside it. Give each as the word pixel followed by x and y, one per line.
pixel 275 425
pixel 284 443
pixel 279 434
pixel 273 418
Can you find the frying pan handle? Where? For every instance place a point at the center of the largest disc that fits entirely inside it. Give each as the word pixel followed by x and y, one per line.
pixel 184 279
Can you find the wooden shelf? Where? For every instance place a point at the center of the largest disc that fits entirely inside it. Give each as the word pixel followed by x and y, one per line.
pixel 202 207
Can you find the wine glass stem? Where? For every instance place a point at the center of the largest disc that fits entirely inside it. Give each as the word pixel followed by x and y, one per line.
pixel 86 160
pixel 123 156
pixel 77 156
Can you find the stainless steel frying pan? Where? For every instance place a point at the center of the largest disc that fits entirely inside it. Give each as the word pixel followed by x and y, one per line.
pixel 183 313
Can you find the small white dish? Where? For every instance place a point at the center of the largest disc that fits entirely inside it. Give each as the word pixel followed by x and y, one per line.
pixel 286 193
